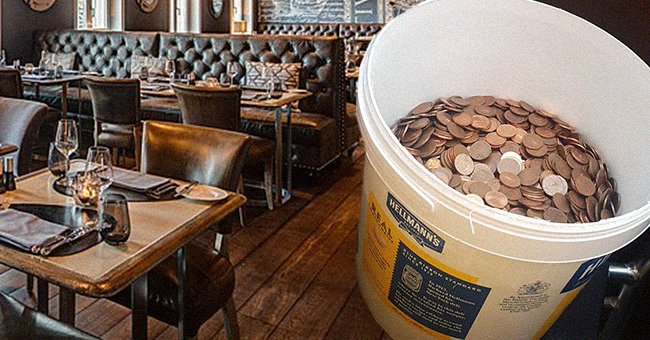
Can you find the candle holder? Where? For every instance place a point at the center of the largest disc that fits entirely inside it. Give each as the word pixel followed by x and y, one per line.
pixel 85 190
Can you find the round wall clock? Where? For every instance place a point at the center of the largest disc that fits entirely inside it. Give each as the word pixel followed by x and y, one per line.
pixel 39 5
pixel 147 6
pixel 216 7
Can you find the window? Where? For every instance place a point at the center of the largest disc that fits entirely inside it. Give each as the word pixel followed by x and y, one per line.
pixel 92 14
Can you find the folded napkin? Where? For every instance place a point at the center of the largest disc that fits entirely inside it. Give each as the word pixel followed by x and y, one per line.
pixel 134 180
pixel 253 95
pixel 27 231
pixel 35 76
pixel 154 87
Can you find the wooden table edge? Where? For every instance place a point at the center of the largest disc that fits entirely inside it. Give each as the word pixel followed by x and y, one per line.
pixel 122 275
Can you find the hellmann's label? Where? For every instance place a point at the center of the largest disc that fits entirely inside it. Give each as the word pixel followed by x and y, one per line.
pixel 433 297
pixel 422 234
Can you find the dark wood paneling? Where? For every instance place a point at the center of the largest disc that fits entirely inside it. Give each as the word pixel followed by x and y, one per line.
pixel 19 23
pixel 211 25
pixel 137 20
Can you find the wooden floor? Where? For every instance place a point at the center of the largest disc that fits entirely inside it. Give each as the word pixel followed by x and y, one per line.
pixel 295 273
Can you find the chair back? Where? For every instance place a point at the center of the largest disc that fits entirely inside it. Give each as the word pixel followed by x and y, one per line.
pixel 217 107
pixel 193 153
pixel 20 122
pixel 11 85
pixel 115 101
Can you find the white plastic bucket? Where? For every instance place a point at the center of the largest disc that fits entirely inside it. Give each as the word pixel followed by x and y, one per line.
pixel 465 270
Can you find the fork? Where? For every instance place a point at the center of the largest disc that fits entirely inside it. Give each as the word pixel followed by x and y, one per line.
pixel 187 189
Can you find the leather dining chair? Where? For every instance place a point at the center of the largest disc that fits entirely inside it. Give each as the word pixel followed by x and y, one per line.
pixel 116 112
pixel 20 322
pixel 220 107
pixel 210 156
pixel 20 123
pixel 11 85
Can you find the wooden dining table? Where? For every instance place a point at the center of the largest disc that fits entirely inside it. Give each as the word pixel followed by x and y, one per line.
pixel 282 107
pixel 6 149
pixel 64 81
pixel 158 230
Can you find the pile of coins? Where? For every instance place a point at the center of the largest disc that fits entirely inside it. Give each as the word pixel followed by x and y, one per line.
pixel 511 156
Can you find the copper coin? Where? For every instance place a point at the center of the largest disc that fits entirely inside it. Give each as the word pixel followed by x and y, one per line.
pixel 513 118
pixel 479 188
pixel 456 130
pixel 526 106
pixel 444 118
pixel 506 130
pixel 509 146
pixel 509 179
pixel 561 202
pixel 530 176
pixel 455 181
pixel 494 139
pixel 541 152
pixel 480 150
pixel 519 111
pixel 584 186
pixel 576 199
pixel 518 211
pixel 420 123
pixel 496 199
pixel 493 160
pixel 555 215
pixel 538 120
pixel 545 132
pixel 459 101
pixel 463 119
pixel 422 108
pixel 480 122
pixel 513 194
pixel 532 141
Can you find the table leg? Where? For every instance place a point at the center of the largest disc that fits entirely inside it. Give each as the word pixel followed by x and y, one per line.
pixel 278 156
pixel 67 306
pixel 139 297
pixel 42 289
pixel 182 268
pixel 289 153
pixel 64 100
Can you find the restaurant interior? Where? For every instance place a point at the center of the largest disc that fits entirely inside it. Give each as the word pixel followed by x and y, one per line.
pixel 219 141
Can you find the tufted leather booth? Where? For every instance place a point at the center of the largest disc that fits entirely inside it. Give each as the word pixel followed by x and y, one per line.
pixel 108 53
pixel 319 133
pixel 321 29
pixel 343 30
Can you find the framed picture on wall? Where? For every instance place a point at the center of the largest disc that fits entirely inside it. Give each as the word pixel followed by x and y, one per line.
pixel 39 5
pixel 216 7
pixel 147 6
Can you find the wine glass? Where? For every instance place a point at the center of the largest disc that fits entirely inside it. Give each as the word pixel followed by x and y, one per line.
pixel 267 76
pixel 232 70
pixel 98 164
pixel 67 142
pixel 56 162
pixel 3 58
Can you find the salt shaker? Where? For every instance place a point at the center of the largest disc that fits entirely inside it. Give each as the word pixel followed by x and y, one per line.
pixel 9 178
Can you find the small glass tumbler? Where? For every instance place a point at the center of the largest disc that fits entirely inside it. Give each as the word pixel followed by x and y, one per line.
pixel 114 222
pixel 85 190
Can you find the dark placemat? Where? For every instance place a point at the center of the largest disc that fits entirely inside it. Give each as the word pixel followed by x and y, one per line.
pixel 69 216
pixel 131 196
